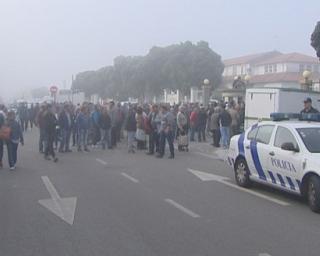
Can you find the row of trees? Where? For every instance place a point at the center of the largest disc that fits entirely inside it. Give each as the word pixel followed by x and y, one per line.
pixel 178 66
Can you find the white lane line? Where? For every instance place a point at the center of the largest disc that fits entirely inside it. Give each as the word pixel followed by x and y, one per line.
pixel 264 254
pixel 129 177
pixel 204 176
pixel 182 208
pixel 269 198
pixel 209 156
pixel 101 161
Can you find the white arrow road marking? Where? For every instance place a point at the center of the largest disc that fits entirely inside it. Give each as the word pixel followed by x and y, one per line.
pixel 62 207
pixel 204 176
pixel 182 208
pixel 264 254
pixel 101 161
pixel 129 177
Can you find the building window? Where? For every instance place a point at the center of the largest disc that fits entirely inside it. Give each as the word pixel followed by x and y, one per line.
pixel 309 68
pixel 301 68
pixel 234 70
pixel 242 70
pixel 270 68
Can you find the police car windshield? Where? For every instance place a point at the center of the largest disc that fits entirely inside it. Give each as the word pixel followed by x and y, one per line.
pixel 311 138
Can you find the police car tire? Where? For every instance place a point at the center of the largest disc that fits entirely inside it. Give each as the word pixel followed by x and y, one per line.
pixel 244 181
pixel 314 193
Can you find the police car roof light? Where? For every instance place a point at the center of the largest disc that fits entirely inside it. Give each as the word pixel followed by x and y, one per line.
pixel 310 117
pixel 284 116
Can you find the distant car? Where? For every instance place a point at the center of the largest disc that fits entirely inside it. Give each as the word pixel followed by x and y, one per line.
pixel 283 154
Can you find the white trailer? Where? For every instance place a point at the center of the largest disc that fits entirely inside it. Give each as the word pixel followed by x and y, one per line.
pixel 261 102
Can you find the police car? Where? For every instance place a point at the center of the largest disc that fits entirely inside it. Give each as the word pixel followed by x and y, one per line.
pixel 283 153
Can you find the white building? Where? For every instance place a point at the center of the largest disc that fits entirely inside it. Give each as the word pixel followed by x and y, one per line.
pixel 271 69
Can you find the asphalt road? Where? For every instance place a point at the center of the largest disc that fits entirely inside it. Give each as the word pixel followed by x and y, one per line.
pixel 140 205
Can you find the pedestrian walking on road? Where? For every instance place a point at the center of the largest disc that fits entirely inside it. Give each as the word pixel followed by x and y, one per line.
pixel 83 124
pixel 166 132
pixel 154 124
pixel 50 123
pixel 225 122
pixel 182 129
pixel 202 124
pixel 215 126
pixel 16 137
pixel 105 125
pixel 131 128
pixel 194 123
pixel 235 119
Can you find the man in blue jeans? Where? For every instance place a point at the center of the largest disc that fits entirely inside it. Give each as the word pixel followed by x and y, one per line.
pixel 166 132
pixel 225 123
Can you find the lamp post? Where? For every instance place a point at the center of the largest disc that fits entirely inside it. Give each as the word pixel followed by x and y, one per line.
pixel 247 79
pixel 206 92
pixel 306 83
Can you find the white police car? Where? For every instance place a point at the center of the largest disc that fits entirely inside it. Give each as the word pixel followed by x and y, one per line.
pixel 283 154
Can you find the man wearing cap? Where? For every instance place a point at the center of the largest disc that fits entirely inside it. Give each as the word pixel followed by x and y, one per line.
pixel 308 106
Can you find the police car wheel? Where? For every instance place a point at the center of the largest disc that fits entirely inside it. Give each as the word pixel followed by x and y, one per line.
pixel 314 193
pixel 242 173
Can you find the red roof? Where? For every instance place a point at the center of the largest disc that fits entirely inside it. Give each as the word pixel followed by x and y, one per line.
pixel 253 58
pixel 289 57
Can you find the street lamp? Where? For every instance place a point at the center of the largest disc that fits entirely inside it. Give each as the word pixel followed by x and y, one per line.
pixel 306 82
pixel 206 92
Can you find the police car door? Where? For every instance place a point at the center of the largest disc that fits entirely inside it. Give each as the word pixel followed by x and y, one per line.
pixel 284 165
pixel 257 146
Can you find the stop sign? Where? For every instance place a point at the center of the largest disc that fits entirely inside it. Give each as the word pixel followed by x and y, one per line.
pixel 53 89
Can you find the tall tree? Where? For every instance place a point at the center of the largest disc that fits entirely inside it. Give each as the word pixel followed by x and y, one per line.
pixel 315 39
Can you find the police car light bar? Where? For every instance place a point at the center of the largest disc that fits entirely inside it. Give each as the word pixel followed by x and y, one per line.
pixel 312 117
pixel 284 116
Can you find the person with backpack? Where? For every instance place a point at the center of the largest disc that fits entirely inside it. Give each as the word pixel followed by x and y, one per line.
pixel 15 138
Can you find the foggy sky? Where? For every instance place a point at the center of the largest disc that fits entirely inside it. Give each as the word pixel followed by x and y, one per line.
pixel 44 42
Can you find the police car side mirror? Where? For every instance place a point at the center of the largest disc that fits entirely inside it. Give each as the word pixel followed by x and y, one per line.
pixel 288 146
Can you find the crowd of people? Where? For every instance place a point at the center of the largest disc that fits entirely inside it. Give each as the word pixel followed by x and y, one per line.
pixel 146 127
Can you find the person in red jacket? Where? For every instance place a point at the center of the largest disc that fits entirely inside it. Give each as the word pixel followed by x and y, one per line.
pixel 194 122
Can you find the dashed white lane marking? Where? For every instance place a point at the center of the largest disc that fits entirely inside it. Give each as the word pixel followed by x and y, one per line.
pixel 101 161
pixel 209 156
pixel 204 176
pixel 129 177
pixel 182 208
pixel 269 198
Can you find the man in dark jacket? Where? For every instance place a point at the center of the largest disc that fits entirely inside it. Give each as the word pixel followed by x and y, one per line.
pixel 308 109
pixel 225 122
pixel 105 125
pixel 50 123
pixel 202 124
pixel 65 124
